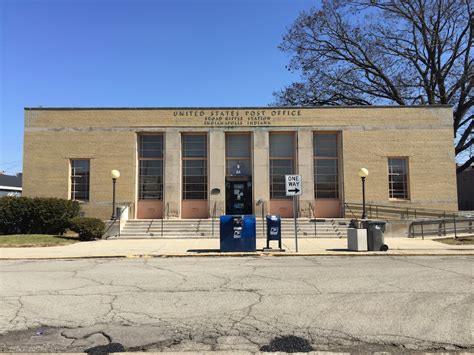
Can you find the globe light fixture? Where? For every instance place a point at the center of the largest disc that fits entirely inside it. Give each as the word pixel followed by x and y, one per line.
pixel 115 174
pixel 363 172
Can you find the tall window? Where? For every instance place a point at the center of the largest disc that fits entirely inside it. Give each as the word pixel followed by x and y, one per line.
pixel 325 157
pixel 80 174
pixel 282 162
pixel 150 174
pixel 398 178
pixel 238 154
pixel 194 151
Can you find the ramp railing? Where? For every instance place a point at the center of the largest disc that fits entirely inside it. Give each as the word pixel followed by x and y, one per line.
pixel 442 226
pixel 395 212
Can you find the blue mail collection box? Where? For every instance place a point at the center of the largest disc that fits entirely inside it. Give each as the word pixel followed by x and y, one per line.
pixel 238 233
pixel 273 229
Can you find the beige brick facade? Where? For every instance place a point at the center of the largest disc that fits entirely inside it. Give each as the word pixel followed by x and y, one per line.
pixel 368 136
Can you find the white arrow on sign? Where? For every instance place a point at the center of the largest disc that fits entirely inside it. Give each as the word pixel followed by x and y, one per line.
pixel 293 185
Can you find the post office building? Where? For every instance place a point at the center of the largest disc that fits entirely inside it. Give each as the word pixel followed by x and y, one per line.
pixel 199 162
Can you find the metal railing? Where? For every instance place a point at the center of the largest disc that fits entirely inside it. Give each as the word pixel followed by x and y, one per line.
pixel 118 218
pixel 312 215
pixel 395 212
pixel 452 224
pixel 263 218
pixel 213 216
pixel 166 212
pixel 350 209
pixel 335 228
pixel 149 227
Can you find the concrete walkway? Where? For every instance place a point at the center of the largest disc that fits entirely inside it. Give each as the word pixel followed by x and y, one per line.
pixel 210 247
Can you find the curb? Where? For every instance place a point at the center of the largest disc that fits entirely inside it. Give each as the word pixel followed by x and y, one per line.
pixel 236 255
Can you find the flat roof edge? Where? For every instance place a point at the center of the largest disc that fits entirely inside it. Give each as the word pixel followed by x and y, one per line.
pixel 232 107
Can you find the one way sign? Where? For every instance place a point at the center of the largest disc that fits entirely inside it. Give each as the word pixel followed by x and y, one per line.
pixel 293 185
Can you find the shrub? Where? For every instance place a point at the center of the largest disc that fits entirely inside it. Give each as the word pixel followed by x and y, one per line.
pixel 88 228
pixel 27 215
pixel 52 215
pixel 15 215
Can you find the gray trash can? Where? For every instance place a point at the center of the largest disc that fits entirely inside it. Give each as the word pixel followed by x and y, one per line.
pixel 375 238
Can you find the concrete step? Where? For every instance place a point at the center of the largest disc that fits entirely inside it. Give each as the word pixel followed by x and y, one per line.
pixel 158 236
pixel 217 223
pixel 173 225
pixel 309 224
pixel 156 232
pixel 320 234
pixel 187 221
pixel 323 232
pixel 202 228
pixel 308 227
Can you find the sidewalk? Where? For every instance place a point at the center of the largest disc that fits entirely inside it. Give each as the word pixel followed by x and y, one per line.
pixel 210 247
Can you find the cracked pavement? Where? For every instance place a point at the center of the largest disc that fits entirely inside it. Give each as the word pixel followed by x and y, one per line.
pixel 205 304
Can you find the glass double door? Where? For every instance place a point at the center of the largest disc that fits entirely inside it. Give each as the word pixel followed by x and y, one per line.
pixel 238 197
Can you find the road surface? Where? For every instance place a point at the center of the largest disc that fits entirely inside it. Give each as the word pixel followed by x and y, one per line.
pixel 228 303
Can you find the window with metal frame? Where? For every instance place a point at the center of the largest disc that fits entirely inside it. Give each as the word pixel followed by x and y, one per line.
pixel 398 178
pixel 194 160
pixel 326 171
pixel 80 179
pixel 282 162
pixel 150 166
pixel 238 154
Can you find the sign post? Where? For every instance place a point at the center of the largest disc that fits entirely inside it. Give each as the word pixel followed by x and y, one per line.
pixel 293 188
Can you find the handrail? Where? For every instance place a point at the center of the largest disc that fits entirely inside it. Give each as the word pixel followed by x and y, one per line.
pixel 118 218
pixel 336 228
pixel 350 209
pixel 263 218
pixel 149 226
pixel 165 211
pixel 213 215
pixel 457 226
pixel 404 211
pixel 312 212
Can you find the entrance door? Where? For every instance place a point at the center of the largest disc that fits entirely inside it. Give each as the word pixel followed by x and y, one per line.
pixel 238 197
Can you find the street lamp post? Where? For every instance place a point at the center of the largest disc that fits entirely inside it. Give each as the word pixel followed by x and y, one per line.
pixel 115 174
pixel 363 173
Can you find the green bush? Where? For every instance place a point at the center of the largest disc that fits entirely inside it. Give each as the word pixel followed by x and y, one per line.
pixel 16 215
pixel 25 215
pixel 88 228
pixel 52 215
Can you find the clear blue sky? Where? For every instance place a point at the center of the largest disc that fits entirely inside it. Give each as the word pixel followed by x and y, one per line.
pixel 137 53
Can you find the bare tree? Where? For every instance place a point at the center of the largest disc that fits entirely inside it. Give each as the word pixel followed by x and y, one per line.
pixel 405 52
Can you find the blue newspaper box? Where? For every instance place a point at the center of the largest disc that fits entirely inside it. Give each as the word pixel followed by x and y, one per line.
pixel 273 229
pixel 238 233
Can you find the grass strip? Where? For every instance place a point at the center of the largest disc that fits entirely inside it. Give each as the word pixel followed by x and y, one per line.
pixel 35 240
